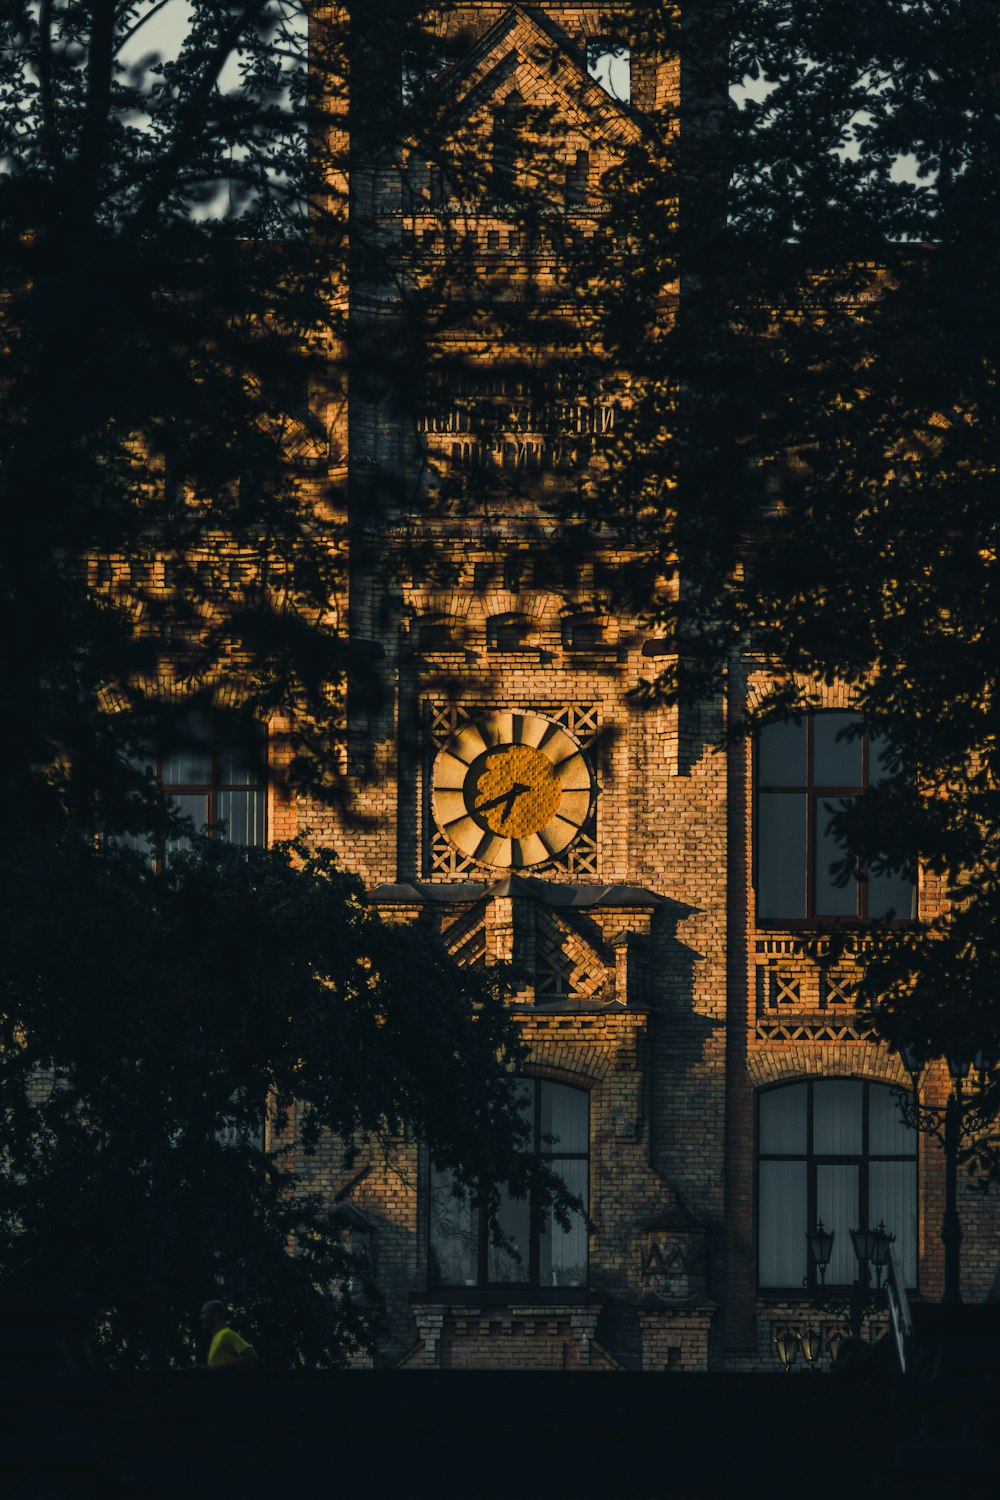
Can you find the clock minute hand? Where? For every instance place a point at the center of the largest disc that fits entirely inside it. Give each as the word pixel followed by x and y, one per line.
pixel 506 799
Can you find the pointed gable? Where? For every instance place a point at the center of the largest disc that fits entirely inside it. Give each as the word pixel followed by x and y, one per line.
pixel 525 56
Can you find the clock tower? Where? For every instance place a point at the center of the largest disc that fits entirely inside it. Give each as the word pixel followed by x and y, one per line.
pixel 694 1070
pixel 506 788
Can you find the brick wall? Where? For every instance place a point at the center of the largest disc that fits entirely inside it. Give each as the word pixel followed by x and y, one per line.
pixel 660 1021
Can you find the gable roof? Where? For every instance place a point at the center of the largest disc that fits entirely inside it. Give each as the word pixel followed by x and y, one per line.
pixel 522 40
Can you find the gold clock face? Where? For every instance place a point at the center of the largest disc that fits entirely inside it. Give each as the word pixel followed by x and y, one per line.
pixel 512 790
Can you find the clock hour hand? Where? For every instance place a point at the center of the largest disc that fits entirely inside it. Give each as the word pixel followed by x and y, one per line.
pixel 506 800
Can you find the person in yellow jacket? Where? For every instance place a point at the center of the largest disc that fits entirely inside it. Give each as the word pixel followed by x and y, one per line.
pixel 227 1351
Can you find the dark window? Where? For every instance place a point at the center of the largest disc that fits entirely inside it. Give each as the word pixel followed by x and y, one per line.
pixel 514 568
pixel 581 633
pixel 236 1131
pixel 507 632
pixel 435 633
pixel 508 123
pixel 213 771
pixel 578 180
pixel 839 1150
pixel 808 770
pixel 462 1252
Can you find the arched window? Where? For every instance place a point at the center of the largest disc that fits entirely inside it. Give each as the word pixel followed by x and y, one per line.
pixel 462 1252
pixel 581 632
pixel 806 771
pixel 434 633
pixel 835 1149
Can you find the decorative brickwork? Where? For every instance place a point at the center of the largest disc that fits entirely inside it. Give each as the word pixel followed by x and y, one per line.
pixel 641 972
pixel 442 719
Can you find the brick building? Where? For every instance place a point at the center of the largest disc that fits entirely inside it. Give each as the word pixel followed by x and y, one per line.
pixel 705 1085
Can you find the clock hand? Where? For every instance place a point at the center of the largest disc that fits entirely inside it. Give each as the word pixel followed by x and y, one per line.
pixel 507 800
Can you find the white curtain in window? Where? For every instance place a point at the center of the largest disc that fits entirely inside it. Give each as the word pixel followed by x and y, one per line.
pixel 242 816
pixel 892 1197
pixel 837 1114
pixel 783 1121
pixel 837 1206
pixel 514 1219
pixel 454 1233
pixel 563 1252
pixel 563 1118
pixel 782 1208
pixel 888 1132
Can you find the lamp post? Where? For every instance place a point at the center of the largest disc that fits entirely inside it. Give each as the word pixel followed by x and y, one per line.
pixel 949 1132
pixel 871 1247
pixel 951 1225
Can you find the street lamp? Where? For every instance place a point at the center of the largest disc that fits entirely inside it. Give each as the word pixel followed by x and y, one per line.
pixel 951 1139
pixel 871 1248
pixel 811 1344
pixel 951 1224
pixel 821 1248
pixel 786 1345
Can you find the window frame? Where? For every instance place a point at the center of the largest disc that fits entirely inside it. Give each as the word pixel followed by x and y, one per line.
pixel 863 1160
pixel 814 792
pixel 161 848
pixel 531 1286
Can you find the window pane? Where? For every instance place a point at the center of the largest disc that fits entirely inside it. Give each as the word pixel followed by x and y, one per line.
pixel 892 1197
pixel 563 1252
pixel 781 854
pixel 515 1221
pixel 888 1132
pixel 837 1206
pixel 782 1209
pixel 782 1120
pixel 781 754
pixel 837 1105
pixel 879 753
pixel 454 1234
pixel 193 805
pixel 892 894
pixel 564 1116
pixel 188 762
pixel 836 762
pixel 242 814
pixel 832 900
pixel 241 755
pixel 137 843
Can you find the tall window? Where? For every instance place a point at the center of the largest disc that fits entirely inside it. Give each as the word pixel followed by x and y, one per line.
pixel 508 124
pixel 839 1150
pixel 806 772
pixel 578 180
pixel 462 1252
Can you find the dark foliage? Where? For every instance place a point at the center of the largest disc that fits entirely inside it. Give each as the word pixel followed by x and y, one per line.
pixel 149 1024
pixel 173 255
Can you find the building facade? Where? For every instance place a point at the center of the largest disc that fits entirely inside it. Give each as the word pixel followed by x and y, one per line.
pixel 701 1080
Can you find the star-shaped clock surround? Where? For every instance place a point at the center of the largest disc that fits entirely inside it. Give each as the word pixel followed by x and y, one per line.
pixel 512 790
